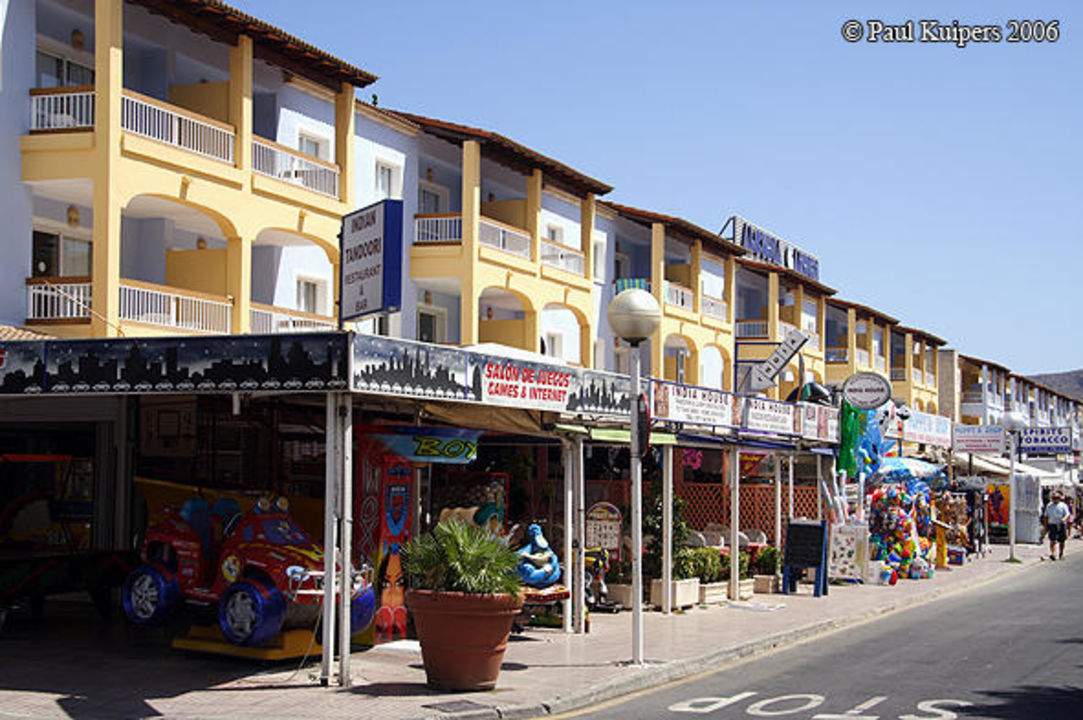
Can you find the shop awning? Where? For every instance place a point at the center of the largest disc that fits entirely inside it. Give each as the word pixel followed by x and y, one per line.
pixel 624 437
pixel 1002 466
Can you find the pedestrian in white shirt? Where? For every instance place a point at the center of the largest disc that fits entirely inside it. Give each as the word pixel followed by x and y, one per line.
pixel 1057 517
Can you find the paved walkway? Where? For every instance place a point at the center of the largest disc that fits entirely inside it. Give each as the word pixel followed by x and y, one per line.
pixel 67 667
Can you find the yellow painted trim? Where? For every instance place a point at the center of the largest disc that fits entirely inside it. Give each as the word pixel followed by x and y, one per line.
pixel 157 153
pixel 499 257
pixel 298 195
pixel 565 277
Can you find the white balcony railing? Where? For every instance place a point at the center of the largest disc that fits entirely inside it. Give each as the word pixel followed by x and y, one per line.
pixel 446 228
pixel 917 376
pixel 504 237
pixel 713 307
pixel 784 328
pixel 266 319
pixel 862 357
pixel 836 355
pixel 562 257
pixel 677 295
pixel 751 328
pixel 173 308
pixel 70 108
pixel 282 163
pixel 57 298
pixel 175 126
pixel 879 362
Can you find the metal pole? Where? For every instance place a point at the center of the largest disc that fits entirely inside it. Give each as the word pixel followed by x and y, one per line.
pixel 330 525
pixel 580 543
pixel 819 488
pixel 667 529
pixel 789 466
pixel 345 434
pixel 778 500
pixel 569 511
pixel 1013 501
pixel 637 513
pixel 735 514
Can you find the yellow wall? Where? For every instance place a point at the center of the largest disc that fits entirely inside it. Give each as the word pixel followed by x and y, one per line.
pixel 210 99
pixel 200 270
pixel 680 273
pixel 505 332
pixel 512 212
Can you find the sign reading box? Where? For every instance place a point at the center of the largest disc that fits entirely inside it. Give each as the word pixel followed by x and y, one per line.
pixel 1045 441
pixel 978 439
pixel 371 254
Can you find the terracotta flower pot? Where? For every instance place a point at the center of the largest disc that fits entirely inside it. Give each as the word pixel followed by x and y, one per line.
pixel 463 637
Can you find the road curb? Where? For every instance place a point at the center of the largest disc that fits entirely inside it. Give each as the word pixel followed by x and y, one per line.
pixel 679 669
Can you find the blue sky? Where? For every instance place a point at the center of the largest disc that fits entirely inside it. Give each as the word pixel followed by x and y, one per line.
pixel 941 185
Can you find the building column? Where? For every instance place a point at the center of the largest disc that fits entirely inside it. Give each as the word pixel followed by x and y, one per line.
pixel 730 291
pixel 984 394
pixel 821 322
pixel 240 100
pixel 109 82
pixel 772 306
pixel 658 276
pixel 239 283
pixel 697 268
pixel 908 363
pixel 534 184
pixel 586 345
pixel 587 211
pixel 471 202
pixel 344 141
pixel 799 307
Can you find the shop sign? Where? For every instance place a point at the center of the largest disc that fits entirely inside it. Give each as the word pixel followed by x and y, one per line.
pixel 927 429
pixel 603 528
pixel 691 405
pixel 866 390
pixel 978 439
pixel 371 252
pixel 819 422
pixel 970 482
pixel 519 384
pixel 768 248
pixel 1045 441
pixel 767 416
pixel 751 461
pixel 440 445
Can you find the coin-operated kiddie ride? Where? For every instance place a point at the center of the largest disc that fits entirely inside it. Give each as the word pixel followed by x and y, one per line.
pixel 262 572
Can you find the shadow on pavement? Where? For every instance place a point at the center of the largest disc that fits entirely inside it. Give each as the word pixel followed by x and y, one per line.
pixel 1027 703
pixel 393 689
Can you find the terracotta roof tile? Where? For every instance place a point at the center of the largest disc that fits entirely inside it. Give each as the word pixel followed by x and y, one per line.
pixel 863 308
pixel 792 274
pixel 681 225
pixel 927 335
pixel 10 332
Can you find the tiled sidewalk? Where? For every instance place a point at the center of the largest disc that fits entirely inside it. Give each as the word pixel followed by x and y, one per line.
pixel 122 673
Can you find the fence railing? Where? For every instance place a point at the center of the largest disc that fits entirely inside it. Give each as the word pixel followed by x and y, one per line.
pixel 443 228
pixel 879 362
pixel 58 298
pixel 862 357
pixel 563 257
pixel 916 374
pixel 836 355
pixel 267 319
pixel 750 328
pixel 898 373
pixel 504 237
pixel 176 126
pixel 67 108
pixel 173 308
pixel 283 163
pixel 784 328
pixel 677 295
pixel 713 307
pixel 622 284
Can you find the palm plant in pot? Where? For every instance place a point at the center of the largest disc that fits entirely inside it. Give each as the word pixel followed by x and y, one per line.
pixel 464 595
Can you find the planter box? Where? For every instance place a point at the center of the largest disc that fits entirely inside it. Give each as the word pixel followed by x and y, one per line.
pixel 685 593
pixel 712 593
pixel 745 589
pixel 620 593
pixel 766 583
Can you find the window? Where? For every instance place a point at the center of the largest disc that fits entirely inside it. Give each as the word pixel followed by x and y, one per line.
pixel 308 295
pixel 554 234
pixel 554 344
pixel 58 255
pixel 317 147
pixel 52 70
pixel 431 198
pixel 431 324
pixel 599 260
pixel 385 176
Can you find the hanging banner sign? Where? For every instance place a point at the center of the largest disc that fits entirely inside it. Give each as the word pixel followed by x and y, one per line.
pixel 978 439
pixel 528 385
pixel 819 422
pixel 751 461
pixel 1045 441
pixel 691 405
pixel 768 416
pixel 371 252
pixel 927 429
pixel 429 444
pixel 866 390
pixel 603 528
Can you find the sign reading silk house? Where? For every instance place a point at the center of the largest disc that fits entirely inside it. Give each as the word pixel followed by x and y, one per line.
pixel 768 248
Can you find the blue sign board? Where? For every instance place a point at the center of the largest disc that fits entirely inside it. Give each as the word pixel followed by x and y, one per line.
pixel 770 249
pixel 371 260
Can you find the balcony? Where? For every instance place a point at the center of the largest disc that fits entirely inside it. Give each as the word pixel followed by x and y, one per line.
pixel 282 163
pixel 62 109
pixel 879 362
pixel 512 240
pixel 898 373
pixel 445 228
pixel 862 357
pixel 784 328
pixel 836 355
pixel 677 295
pixel 267 319
pixel 563 258
pixel 714 307
pixel 917 376
pixel 58 299
pixel 622 284
pixel 972 397
pixel 750 329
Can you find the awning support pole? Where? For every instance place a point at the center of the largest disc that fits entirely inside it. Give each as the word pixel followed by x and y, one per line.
pixel 345 450
pixel 778 501
pixel 667 529
pixel 735 515
pixel 790 469
pixel 819 488
pixel 330 524
pixel 580 542
pixel 569 515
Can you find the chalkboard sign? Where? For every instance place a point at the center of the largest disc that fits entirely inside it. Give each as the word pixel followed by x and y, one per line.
pixel 805 541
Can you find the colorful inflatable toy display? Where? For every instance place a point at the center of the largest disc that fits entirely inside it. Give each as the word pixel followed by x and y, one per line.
pixel 900 522
pixel 539 566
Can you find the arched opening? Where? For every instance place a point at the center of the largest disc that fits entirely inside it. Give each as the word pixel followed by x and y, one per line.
pixel 680 360
pixel 293 283
pixel 564 334
pixel 712 368
pixel 507 318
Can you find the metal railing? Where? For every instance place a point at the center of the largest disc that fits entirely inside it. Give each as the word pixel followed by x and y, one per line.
pixel 713 307
pixel 444 228
pixel 750 328
pixel 898 373
pixel 784 328
pixel 917 376
pixel 282 163
pixel 504 237
pixel 677 295
pixel 58 298
pixel 69 108
pixel 622 284
pixel 836 355
pixel 562 257
pixel 173 308
pixel 175 126
pixel 862 357
pixel 266 319
pixel 879 362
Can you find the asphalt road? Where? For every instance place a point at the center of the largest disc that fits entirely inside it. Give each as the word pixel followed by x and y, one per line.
pixel 1011 648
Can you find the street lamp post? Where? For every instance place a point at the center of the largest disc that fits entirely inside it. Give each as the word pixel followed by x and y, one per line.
pixel 634 315
pixel 1013 422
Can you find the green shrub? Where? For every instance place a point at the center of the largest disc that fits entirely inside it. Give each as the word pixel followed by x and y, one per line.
pixel 708 564
pixel 457 557
pixel 685 564
pixel 767 561
pixel 743 566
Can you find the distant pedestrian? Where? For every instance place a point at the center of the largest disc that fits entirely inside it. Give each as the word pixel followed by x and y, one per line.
pixel 1057 518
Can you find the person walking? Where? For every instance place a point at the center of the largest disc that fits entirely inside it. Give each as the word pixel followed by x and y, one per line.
pixel 1057 518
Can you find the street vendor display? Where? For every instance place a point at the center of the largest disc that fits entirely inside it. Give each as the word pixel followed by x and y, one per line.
pixel 900 524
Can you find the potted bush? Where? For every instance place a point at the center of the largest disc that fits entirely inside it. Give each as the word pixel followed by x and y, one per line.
pixel 685 586
pixel 464 595
pixel 619 582
pixel 712 589
pixel 766 577
pixel 746 584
